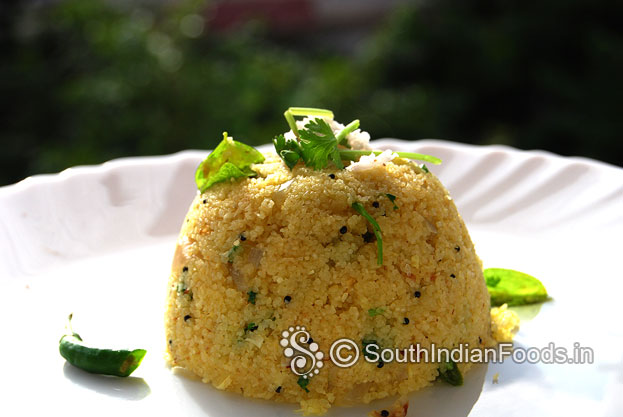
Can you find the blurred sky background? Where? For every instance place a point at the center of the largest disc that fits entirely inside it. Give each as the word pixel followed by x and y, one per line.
pixel 85 81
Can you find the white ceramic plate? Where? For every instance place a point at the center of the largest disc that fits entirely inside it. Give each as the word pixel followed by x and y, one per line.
pixel 98 241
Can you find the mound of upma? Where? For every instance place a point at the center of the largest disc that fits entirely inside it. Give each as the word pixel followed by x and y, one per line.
pixel 287 246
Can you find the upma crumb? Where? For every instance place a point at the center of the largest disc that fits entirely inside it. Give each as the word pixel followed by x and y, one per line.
pixel 504 323
pixel 314 407
pixel 496 377
pixel 398 409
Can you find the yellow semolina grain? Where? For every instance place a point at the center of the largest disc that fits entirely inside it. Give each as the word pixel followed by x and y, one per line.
pixel 504 323
pixel 293 239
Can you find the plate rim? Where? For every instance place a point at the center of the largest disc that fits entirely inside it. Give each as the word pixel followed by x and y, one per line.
pixel 122 162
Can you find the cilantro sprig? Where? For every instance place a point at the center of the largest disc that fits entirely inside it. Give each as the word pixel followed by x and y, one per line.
pixel 316 144
pixel 319 145
pixel 341 136
pixel 288 149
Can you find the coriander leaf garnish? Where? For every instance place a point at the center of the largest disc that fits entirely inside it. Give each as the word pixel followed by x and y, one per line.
pixel 231 254
pixel 303 383
pixel 230 159
pixel 252 296
pixel 181 287
pixel 250 327
pixel 319 144
pixel 316 144
pixel 288 149
pixel 513 287
pixel 368 353
pixel 376 311
pixel 392 198
pixel 358 207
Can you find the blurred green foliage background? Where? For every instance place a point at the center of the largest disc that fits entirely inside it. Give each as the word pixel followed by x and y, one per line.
pixel 86 81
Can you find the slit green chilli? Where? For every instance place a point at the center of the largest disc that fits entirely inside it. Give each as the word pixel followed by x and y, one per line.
pixel 99 361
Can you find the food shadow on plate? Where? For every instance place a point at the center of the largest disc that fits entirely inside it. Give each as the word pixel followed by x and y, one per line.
pixel 438 400
pixel 129 388
pixel 509 372
pixel 527 312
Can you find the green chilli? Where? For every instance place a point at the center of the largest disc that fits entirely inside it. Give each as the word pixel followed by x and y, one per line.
pixel 99 361
pixel 449 372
